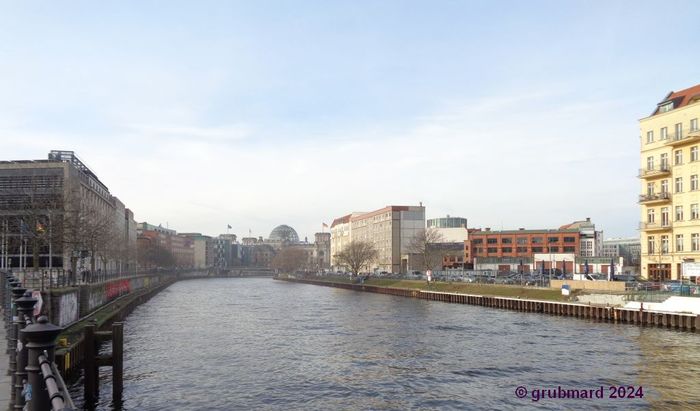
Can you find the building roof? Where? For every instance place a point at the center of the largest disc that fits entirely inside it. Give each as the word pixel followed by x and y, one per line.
pixel 341 220
pixel 680 98
pixel 510 232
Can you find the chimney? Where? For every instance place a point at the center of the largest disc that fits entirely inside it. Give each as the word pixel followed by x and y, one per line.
pixel 588 219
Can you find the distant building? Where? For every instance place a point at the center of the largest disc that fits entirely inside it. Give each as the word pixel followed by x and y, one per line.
pixel 669 183
pixel 579 239
pixel 322 252
pixel 203 249
pixel 180 246
pixel 390 229
pixel 628 248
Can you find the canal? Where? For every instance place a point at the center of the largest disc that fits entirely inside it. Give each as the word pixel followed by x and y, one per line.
pixel 238 344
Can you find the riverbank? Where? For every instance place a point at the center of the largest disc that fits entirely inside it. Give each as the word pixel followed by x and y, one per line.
pixel 494 290
pixel 680 321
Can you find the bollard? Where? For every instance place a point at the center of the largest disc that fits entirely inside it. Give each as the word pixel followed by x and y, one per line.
pixel 90 370
pixel 117 362
pixel 41 336
pixel 25 306
pixel 15 292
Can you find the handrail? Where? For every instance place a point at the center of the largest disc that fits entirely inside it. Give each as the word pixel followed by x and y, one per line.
pixel 58 393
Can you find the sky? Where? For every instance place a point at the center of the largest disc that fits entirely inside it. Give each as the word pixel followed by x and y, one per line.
pixel 203 114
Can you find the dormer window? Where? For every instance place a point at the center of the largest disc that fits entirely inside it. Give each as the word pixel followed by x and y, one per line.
pixel 666 107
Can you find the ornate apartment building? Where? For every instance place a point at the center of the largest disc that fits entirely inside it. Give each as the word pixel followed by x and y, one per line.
pixel 670 190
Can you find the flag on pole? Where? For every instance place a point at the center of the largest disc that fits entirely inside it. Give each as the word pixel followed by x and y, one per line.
pixel 229 226
pixel 325 225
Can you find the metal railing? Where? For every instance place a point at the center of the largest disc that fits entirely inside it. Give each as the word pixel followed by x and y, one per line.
pixel 46 279
pixel 36 384
pixel 654 197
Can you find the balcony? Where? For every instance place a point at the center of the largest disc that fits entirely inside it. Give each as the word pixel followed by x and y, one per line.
pixel 660 171
pixel 654 198
pixel 655 226
pixel 687 137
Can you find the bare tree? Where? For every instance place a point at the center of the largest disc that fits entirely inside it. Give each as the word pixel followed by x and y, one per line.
pixel 357 254
pixel 424 245
pixel 154 255
pixel 289 260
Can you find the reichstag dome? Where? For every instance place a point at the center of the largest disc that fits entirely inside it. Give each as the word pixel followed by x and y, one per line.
pixel 283 234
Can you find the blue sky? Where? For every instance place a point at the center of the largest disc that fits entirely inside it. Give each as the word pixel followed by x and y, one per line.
pixel 254 114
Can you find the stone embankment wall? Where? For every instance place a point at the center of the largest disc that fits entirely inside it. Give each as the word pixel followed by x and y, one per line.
pixel 680 321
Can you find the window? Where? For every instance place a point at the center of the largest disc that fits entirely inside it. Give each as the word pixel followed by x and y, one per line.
pixel 522 240
pixel 569 239
pixel 694 153
pixel 679 242
pixel 693 126
pixel 569 249
pixel 679 131
pixel 664 216
pixel 664 244
pixel 506 240
pixel 553 249
pixel 679 157
pixel 650 244
pixel 664 186
pixel 650 163
pixel 664 162
pixel 536 249
pixel 537 240
pixel 477 241
pixel 666 107
pixel 679 184
pixel 694 242
pixel 694 212
pixel 552 239
pixel 507 249
pixel 650 189
pixel 664 133
pixel 522 249
pixel 492 250
pixel 650 215
pixel 679 213
pixel 650 137
pixel 693 182
pixel 492 241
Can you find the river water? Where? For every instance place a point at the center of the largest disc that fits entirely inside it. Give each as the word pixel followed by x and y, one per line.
pixel 240 344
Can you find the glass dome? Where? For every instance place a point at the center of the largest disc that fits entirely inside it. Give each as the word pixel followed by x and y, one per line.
pixel 284 234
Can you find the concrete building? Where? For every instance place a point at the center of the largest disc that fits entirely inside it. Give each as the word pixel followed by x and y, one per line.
pixel 630 249
pixel 669 185
pixel 390 229
pixel 203 249
pixel 56 213
pixel 322 252
pixel 341 235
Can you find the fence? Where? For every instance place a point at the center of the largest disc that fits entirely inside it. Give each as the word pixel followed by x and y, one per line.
pixel 36 384
pixel 59 277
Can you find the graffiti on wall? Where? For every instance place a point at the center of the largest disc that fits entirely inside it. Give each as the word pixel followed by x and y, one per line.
pixel 95 298
pixel 68 309
pixel 116 288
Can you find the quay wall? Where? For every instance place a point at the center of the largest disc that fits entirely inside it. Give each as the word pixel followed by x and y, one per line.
pixel 678 321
